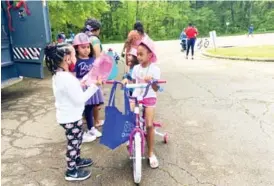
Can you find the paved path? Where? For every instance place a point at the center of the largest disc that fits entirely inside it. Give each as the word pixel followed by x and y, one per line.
pixel 218 113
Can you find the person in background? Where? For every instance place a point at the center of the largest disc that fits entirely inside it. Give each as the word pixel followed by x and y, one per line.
pixel 133 39
pixel 250 30
pixel 61 37
pixel 72 35
pixel 132 62
pixel 183 39
pixel 191 33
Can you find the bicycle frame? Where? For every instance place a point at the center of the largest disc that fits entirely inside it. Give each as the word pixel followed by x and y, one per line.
pixel 140 118
pixel 139 108
pixel 138 128
pixel 137 138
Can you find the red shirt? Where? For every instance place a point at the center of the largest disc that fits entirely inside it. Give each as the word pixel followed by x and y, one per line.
pixel 191 32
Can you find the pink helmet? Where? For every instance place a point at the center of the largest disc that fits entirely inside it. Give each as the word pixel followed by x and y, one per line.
pixel 102 67
pixel 81 39
pixel 133 52
pixel 150 44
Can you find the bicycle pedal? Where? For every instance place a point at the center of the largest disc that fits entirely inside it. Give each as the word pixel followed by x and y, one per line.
pixel 158 125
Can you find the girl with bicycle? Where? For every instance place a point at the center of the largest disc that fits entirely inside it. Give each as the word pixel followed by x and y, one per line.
pixel 144 73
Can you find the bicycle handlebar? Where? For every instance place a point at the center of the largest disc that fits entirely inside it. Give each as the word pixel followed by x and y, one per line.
pixel 140 85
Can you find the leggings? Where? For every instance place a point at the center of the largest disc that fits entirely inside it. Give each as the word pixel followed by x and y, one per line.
pixel 74 134
pixel 89 115
pixel 190 43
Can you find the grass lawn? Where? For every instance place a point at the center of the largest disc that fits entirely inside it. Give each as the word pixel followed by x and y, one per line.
pixel 264 51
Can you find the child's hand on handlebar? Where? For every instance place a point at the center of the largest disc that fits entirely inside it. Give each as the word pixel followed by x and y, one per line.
pixel 148 79
pixel 124 81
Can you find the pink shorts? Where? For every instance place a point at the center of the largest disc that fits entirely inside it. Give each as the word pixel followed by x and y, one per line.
pixel 148 102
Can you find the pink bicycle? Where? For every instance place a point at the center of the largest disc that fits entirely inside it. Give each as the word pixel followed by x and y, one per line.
pixel 137 137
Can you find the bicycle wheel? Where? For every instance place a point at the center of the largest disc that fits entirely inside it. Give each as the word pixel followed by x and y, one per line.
pixel 206 44
pixel 137 158
pixel 199 45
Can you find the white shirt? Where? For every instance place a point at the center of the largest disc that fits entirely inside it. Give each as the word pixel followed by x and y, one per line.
pixel 69 97
pixel 139 73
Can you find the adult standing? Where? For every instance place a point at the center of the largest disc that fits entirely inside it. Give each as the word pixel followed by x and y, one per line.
pixel 191 33
pixel 133 39
pixel 92 29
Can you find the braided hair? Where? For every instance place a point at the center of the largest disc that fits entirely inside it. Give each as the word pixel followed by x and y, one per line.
pixel 54 56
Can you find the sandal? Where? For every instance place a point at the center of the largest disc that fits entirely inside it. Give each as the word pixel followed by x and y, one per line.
pixel 101 123
pixel 153 162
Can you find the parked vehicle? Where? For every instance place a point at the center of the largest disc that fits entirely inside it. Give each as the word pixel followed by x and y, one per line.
pixel 25 31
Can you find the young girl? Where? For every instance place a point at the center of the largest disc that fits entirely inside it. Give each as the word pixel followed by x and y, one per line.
pixel 69 102
pixel 132 61
pixel 93 29
pixel 144 73
pixel 85 59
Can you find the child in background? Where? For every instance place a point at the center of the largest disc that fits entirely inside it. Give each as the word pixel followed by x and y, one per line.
pixel 132 61
pixel 85 59
pixel 69 102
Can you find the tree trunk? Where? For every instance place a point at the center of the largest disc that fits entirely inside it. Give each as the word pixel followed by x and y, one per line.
pixel 232 12
pixel 137 10
pixel 250 12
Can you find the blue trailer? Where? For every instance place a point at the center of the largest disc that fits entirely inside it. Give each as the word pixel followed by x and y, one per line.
pixel 25 31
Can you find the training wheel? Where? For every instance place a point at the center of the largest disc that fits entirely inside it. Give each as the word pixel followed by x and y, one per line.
pixel 165 138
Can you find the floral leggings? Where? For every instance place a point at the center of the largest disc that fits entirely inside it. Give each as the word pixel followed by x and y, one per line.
pixel 74 134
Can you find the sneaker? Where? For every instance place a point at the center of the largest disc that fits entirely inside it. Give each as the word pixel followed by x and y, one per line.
pixel 186 57
pixel 95 132
pixel 77 175
pixel 88 137
pixel 192 57
pixel 82 162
